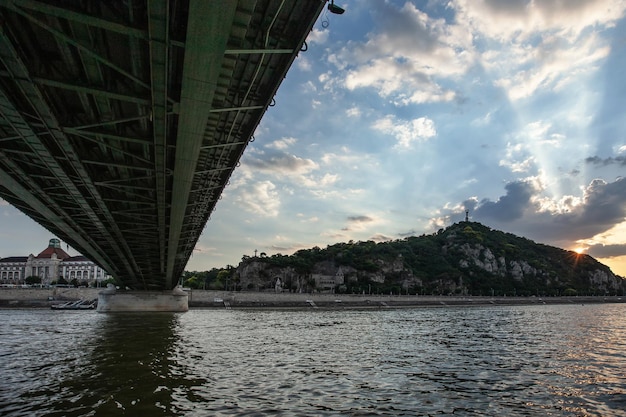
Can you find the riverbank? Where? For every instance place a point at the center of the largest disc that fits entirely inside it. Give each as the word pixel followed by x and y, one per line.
pixel 213 299
pixel 45 297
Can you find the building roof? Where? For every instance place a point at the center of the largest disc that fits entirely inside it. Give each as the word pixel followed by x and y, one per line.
pixel 79 258
pixel 47 253
pixel 14 259
pixel 54 247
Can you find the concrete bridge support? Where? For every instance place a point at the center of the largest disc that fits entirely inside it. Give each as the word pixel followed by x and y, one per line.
pixel 111 300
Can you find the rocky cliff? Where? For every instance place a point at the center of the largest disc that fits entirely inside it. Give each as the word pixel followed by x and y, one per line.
pixel 466 258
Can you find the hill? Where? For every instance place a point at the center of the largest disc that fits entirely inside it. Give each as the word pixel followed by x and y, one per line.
pixel 466 258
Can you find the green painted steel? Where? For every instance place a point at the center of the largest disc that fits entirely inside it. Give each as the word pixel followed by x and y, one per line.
pixel 121 122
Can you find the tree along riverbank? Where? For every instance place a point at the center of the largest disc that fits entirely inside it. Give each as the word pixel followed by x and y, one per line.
pixel 44 297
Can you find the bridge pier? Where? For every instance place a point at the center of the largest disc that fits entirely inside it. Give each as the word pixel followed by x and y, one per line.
pixel 111 300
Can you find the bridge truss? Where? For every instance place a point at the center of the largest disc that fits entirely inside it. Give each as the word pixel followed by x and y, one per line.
pixel 122 121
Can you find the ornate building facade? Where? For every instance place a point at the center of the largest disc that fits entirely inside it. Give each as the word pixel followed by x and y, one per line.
pixel 52 264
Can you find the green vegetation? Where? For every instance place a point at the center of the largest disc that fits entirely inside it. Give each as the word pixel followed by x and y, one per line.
pixel 32 280
pixel 215 279
pixel 466 258
pixel 108 281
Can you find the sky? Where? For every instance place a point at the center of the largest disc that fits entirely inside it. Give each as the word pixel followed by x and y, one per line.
pixel 402 115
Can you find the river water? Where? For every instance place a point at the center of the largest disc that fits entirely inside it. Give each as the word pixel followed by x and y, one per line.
pixel 541 360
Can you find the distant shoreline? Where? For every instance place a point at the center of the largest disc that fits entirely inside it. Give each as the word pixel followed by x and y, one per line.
pixel 202 299
pixel 245 300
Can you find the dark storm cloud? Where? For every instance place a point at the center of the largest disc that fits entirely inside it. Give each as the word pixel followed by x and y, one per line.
pixel 607 251
pixel 603 206
pixel 509 207
pixel 595 160
pixel 470 204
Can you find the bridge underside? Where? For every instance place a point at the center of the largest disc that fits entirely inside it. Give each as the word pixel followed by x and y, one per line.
pixel 122 121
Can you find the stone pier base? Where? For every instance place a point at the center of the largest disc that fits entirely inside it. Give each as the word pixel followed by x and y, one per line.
pixel 112 301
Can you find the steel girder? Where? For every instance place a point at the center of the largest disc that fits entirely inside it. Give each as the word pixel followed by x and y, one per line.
pixel 121 122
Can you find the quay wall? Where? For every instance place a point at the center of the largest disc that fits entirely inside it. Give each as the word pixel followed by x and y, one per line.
pixel 222 299
pixel 44 297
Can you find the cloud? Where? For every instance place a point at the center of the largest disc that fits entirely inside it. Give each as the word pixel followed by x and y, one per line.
pixel 406 132
pixel 405 55
pixel 353 112
pixel 595 160
pixel 349 159
pixel 282 144
pixel 260 198
pixel 538 46
pixel 604 203
pixel 318 36
pixel 508 207
pixel 317 183
pixel 538 148
pixel 360 219
pixel 303 63
pixel 525 211
pixel 547 68
pixel 527 46
pixel 413 58
pixel 285 249
pixel 518 166
pixel 409 233
pixel 379 237
pixel 290 174
pixel 397 78
pixel 278 163
pixel 359 223
pixel 607 251
pixel 519 20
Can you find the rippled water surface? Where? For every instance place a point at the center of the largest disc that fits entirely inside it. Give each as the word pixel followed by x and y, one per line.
pixel 493 361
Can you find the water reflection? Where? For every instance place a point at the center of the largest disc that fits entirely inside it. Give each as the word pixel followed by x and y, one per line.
pixel 492 361
pixel 135 365
pixel 128 371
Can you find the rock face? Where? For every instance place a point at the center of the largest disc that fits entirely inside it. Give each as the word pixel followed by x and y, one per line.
pixel 466 258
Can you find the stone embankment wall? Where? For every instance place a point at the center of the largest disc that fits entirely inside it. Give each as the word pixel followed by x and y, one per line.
pixel 44 297
pixel 31 297
pixel 222 299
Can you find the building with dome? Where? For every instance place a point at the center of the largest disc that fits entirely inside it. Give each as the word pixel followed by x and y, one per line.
pixel 52 264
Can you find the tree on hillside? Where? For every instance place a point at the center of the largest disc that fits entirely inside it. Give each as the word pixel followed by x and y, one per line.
pixel 193 282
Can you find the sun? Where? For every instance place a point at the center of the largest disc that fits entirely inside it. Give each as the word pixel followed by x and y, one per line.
pixel 579 250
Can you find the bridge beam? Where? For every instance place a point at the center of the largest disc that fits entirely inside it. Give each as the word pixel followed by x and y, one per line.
pixel 121 124
pixel 207 36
